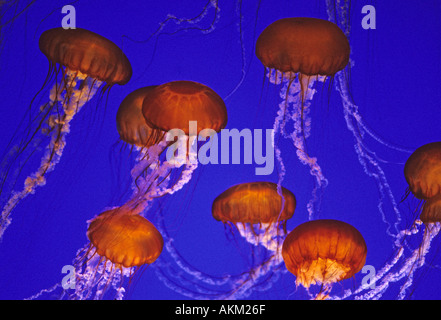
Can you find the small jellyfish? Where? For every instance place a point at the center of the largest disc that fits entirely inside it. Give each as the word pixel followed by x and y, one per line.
pixel 423 175
pixel 258 212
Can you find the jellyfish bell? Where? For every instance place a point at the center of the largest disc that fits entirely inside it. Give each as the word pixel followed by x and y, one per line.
pixel 423 171
pixel 255 203
pixel 120 244
pixel 184 110
pixel 257 210
pixel 174 104
pixel 125 239
pixel 130 122
pixel 87 52
pixel 86 61
pixel 308 47
pixel 148 113
pixel 324 252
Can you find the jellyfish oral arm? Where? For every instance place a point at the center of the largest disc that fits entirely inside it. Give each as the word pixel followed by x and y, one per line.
pixel 268 235
pixel 97 276
pixel 151 177
pixel 298 93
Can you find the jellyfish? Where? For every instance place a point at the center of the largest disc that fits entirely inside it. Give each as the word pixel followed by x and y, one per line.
pixel 324 252
pixel 423 175
pixel 258 212
pixel 121 243
pixel 299 51
pixel 303 48
pixel 423 172
pixel 81 62
pixel 154 117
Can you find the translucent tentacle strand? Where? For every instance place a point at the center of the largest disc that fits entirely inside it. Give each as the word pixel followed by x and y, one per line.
pixel 77 90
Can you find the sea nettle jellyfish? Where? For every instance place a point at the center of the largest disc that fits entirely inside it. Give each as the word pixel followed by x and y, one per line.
pixel 120 244
pixel 423 175
pixel 297 52
pixel 324 252
pixel 257 211
pixel 81 62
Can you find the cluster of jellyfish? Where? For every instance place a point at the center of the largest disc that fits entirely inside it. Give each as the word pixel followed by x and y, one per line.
pixel 296 53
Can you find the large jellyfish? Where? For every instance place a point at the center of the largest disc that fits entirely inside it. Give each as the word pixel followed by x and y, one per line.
pixel 81 62
pixel 324 252
pixel 298 51
pixel 120 244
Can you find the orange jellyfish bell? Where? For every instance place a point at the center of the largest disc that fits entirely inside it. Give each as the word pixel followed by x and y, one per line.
pixel 423 174
pixel 307 45
pixel 254 203
pixel 423 171
pixel 323 252
pixel 125 239
pixel 87 52
pixel 130 121
pixel 174 104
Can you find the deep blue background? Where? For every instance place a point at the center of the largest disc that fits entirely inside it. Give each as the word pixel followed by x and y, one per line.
pixel 395 82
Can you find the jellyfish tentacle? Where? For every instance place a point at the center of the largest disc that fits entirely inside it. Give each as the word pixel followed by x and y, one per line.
pixel 73 100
